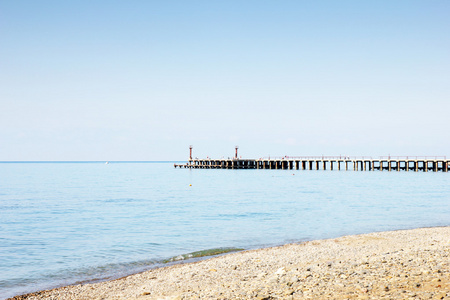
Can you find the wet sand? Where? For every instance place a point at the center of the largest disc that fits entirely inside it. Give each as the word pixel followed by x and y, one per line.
pixel 404 264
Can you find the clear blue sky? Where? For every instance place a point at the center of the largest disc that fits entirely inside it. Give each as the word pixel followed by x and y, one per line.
pixel 143 80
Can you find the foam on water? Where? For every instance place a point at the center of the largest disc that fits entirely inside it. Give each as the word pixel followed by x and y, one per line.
pixel 202 253
pixel 73 222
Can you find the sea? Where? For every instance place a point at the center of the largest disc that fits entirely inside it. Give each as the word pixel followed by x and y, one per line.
pixel 63 223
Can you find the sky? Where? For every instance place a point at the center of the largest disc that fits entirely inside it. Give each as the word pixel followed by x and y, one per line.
pixel 143 80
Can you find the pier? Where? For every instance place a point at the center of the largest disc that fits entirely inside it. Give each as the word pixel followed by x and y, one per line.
pixel 355 163
pixel 415 164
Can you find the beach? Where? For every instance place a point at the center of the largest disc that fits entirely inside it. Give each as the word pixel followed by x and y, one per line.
pixel 403 264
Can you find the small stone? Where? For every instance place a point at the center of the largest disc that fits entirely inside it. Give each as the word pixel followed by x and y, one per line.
pixel 441 295
pixel 289 292
pixel 261 275
pixel 280 271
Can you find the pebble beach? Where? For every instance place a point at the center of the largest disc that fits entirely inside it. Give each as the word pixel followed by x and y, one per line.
pixel 404 264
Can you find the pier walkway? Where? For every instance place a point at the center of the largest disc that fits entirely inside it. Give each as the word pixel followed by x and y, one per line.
pixel 383 163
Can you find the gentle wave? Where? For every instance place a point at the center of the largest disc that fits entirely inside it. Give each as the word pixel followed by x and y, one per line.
pixel 111 271
pixel 202 253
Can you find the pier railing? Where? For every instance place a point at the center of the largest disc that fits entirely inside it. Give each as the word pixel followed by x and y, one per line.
pixel 335 158
pixel 345 157
pixel 322 157
pixel 411 157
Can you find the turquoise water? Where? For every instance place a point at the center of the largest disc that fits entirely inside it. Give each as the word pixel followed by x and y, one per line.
pixel 62 223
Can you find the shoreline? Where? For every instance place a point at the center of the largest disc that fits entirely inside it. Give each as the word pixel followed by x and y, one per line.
pixel 394 264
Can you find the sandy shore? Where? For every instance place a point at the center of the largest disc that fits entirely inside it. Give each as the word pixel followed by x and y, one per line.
pixel 407 264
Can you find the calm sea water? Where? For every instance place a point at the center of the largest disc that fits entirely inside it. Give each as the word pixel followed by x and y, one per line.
pixel 62 223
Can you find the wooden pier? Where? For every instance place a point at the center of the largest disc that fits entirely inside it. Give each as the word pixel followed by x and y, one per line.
pixel 387 163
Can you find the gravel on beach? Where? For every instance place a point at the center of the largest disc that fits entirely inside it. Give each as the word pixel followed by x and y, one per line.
pixel 404 264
